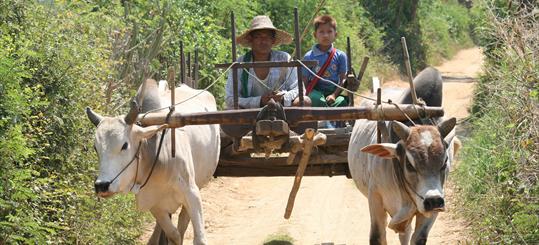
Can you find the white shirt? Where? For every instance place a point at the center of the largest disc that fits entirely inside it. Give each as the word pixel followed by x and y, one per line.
pixel 288 83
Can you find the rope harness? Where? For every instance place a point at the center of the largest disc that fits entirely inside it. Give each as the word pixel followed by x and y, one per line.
pixel 398 167
pixel 399 170
pixel 136 156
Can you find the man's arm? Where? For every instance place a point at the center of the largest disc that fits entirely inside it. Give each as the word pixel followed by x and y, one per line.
pixel 290 86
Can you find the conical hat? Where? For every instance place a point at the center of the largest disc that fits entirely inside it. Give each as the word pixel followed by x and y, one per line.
pixel 263 22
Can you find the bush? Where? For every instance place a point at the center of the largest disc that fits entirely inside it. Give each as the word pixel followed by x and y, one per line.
pixel 498 180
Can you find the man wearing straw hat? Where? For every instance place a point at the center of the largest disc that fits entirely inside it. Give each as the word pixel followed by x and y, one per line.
pixel 257 86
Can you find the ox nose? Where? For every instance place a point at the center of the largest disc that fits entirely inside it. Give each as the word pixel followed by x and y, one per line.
pixel 433 203
pixel 101 186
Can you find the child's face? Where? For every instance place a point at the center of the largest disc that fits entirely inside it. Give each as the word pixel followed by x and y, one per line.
pixel 325 34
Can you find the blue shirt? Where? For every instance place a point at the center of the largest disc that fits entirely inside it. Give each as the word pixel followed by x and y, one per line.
pixel 337 66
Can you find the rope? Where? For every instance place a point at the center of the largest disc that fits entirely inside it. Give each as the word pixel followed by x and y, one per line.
pixel 192 97
pixel 265 85
pixel 337 85
pixel 404 113
pixel 129 164
pixel 355 93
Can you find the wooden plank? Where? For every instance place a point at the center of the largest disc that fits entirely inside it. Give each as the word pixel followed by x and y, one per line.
pixel 273 171
pixel 265 64
pixel 316 158
pixel 294 115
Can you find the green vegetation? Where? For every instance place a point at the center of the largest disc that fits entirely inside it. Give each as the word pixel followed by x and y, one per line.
pixel 433 29
pixel 281 238
pixel 57 57
pixel 498 178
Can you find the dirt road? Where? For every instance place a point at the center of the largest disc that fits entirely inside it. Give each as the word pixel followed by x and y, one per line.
pixel 327 210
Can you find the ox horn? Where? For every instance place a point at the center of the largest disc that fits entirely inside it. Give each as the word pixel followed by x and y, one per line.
pixel 446 126
pixel 136 104
pixel 94 117
pixel 401 130
pixel 131 117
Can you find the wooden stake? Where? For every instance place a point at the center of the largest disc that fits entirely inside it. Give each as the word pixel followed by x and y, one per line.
pixel 234 70
pixel 378 103
pixel 409 70
pixel 182 64
pixel 298 56
pixel 195 70
pixel 171 80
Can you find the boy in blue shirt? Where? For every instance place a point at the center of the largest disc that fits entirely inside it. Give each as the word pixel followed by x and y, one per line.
pixel 332 65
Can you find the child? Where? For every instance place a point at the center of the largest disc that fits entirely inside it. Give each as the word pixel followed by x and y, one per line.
pixel 332 65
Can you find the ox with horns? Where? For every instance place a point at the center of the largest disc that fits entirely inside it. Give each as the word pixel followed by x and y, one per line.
pixel 129 160
pixel 405 175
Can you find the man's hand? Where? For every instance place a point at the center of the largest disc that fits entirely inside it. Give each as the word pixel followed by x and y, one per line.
pixel 265 98
pixel 279 96
pixel 330 99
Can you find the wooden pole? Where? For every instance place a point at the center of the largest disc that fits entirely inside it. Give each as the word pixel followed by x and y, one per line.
pixel 378 103
pixel 363 68
pixel 409 70
pixel 350 83
pixel 172 82
pixel 195 70
pixel 189 66
pixel 308 144
pixel 182 64
pixel 349 56
pixel 234 70
pixel 294 115
pixel 298 55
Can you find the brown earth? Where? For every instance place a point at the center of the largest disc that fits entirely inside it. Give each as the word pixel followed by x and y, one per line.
pixel 327 210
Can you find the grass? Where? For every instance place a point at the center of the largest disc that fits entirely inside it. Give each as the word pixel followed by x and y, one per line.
pixel 280 238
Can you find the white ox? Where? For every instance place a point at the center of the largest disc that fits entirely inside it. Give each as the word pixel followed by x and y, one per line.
pixel 174 182
pixel 404 178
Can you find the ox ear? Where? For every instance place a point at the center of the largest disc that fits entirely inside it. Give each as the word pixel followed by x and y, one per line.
pixel 401 130
pixel 447 126
pixel 150 131
pixel 383 150
pixel 94 117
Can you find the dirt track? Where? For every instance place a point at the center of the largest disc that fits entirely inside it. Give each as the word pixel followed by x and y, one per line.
pixel 327 210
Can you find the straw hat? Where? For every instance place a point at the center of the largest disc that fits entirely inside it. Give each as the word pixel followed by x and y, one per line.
pixel 263 22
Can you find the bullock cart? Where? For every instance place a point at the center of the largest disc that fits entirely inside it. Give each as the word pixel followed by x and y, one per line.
pixel 285 141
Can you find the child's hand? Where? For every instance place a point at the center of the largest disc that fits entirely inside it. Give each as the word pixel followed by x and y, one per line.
pixel 330 99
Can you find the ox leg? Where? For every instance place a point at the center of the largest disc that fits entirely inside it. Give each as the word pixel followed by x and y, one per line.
pixel 404 237
pixel 183 222
pixel 422 228
pixel 163 220
pixel 156 235
pixel 194 209
pixel 378 219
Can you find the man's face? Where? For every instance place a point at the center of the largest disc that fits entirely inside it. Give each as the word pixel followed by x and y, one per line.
pixel 262 41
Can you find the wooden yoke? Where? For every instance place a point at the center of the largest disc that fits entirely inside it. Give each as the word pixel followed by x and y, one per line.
pixel 294 115
pixel 308 140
